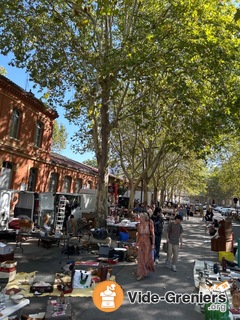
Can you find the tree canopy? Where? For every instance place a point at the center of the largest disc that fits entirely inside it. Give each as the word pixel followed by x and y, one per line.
pixel 59 139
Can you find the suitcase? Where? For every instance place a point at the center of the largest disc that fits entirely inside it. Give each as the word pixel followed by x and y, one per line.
pixel 38 283
pixel 105 251
pixel 121 254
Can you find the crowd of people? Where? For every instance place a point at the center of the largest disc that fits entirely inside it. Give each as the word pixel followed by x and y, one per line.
pixel 150 230
pixel 153 220
pixel 149 235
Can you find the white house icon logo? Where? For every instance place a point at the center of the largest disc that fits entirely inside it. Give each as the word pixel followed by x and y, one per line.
pixel 108 297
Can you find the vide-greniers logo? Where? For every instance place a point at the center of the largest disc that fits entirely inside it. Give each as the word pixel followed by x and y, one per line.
pixel 175 298
pixel 108 296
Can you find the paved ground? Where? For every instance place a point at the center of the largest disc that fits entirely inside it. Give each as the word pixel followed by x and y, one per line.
pixel 196 247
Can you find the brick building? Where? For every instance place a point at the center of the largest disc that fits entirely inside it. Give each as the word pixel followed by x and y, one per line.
pixel 26 160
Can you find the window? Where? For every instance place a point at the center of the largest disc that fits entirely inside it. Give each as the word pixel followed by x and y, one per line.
pixel 67 184
pixel 32 179
pixel 38 134
pixel 15 124
pixel 78 185
pixel 53 183
pixel 6 175
pixel 89 184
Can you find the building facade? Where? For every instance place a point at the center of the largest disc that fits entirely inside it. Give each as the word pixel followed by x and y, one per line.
pixel 26 160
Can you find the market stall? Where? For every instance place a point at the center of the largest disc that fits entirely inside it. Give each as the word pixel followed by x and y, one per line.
pixel 219 286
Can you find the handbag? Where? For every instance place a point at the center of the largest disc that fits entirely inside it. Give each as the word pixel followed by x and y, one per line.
pixel 165 247
pixel 151 239
pixel 150 236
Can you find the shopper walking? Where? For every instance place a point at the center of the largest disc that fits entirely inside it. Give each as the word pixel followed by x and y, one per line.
pixel 158 227
pixel 174 239
pixel 145 239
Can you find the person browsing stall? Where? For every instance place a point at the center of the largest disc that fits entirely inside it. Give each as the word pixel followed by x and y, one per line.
pixel 209 214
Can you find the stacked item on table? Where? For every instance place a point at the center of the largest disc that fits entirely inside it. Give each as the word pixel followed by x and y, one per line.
pixel 64 283
pixel 213 279
pixel 58 310
pixel 25 225
pixel 6 252
pixel 8 270
pixel 106 254
pixel 42 283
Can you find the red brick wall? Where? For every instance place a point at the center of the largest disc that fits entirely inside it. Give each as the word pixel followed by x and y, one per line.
pixel 22 152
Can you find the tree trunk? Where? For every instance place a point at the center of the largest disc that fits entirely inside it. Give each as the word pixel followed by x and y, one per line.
pixel 132 197
pixel 102 154
pixel 162 196
pixel 145 193
pixel 102 198
pixel 155 194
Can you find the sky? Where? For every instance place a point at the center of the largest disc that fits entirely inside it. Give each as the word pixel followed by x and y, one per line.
pixel 21 78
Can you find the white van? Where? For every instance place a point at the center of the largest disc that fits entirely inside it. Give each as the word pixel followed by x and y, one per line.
pixel 87 203
pixel 55 205
pixel 16 203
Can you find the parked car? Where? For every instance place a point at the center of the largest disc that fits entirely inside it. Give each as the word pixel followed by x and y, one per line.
pixel 228 211
pixel 218 209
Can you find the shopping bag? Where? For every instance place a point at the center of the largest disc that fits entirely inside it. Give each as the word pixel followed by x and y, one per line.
pixel 165 247
pixel 81 279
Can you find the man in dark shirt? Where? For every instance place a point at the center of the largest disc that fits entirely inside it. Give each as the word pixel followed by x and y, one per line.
pixel 158 227
pixel 174 238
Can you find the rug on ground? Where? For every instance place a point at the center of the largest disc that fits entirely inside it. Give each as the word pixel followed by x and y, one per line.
pixel 23 281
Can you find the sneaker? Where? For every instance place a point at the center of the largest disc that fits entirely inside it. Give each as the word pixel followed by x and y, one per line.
pixel 174 268
pixel 168 264
pixel 157 261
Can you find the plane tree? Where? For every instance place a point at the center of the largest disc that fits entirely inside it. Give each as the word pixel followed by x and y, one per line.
pixel 102 59
pixel 151 162
pixel 224 170
pixel 59 139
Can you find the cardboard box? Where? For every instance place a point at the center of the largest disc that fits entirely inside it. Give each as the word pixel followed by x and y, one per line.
pixel 43 283
pixel 227 255
pixel 66 315
pixel 9 273
pixel 8 264
pixel 221 244
pixel 121 254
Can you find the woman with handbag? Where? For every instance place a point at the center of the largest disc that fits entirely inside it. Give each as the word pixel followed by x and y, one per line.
pixel 145 243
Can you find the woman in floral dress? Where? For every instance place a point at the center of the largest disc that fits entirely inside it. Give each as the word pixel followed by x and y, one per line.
pixel 145 246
